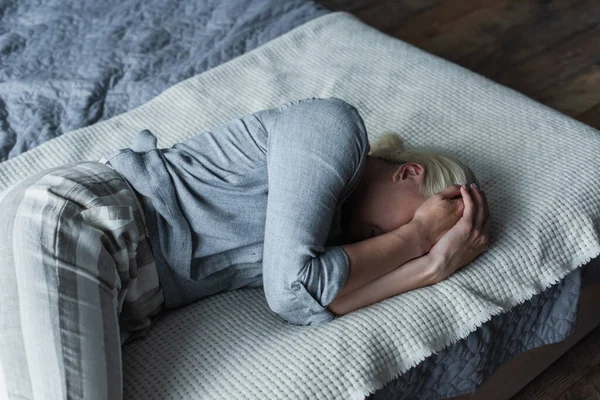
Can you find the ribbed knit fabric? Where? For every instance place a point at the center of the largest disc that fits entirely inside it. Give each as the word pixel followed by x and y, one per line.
pixel 538 167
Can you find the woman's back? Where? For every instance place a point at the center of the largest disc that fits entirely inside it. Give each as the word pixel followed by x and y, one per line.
pixel 213 201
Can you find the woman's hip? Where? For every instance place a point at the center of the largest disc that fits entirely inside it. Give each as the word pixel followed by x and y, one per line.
pixel 81 225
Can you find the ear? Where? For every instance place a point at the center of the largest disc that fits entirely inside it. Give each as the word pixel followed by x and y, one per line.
pixel 407 170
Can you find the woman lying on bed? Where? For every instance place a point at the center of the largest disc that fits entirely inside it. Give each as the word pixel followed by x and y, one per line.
pixel 291 198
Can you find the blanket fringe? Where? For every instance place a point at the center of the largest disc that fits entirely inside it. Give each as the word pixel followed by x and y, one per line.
pixel 468 329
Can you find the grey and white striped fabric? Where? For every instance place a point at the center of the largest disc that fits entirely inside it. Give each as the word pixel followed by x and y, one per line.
pixel 78 281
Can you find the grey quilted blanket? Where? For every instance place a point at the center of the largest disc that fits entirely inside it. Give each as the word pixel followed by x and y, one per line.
pixel 66 64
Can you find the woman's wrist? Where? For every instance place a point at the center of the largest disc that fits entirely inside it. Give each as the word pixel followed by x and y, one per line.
pixel 420 233
pixel 436 267
pixel 414 274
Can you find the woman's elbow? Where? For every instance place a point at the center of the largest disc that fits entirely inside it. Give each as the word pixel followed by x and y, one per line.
pixel 295 305
pixel 277 298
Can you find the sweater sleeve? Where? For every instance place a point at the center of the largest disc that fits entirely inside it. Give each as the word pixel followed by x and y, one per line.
pixel 316 150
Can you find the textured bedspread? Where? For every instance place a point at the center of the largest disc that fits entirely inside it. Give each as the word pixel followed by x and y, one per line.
pixel 66 64
pixel 462 367
pixel 544 223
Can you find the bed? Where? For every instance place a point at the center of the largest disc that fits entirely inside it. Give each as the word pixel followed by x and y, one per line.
pixel 27 95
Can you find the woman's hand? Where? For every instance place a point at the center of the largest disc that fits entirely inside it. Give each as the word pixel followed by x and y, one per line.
pixel 438 214
pixel 465 240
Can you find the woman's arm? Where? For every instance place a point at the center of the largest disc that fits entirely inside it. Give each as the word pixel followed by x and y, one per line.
pixel 377 256
pixel 457 248
pixel 313 149
pixel 411 275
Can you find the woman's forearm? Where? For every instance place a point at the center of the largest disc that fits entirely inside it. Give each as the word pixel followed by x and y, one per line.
pixel 412 275
pixel 375 257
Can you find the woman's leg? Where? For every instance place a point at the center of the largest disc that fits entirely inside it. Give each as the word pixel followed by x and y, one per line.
pixel 67 241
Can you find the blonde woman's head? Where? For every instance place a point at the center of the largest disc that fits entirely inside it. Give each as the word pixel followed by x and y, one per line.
pixel 394 184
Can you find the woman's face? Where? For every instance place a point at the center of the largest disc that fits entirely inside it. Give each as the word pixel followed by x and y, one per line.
pixel 385 199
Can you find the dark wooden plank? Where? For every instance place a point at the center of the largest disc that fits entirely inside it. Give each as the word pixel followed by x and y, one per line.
pixel 472 33
pixel 351 6
pixel 554 22
pixel 486 36
pixel 556 65
pixel 483 39
pixel 591 116
pixel 565 372
pixel 588 388
pixel 383 15
pixel 576 96
pixel 452 28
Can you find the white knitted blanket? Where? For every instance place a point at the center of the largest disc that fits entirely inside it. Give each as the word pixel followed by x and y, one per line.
pixel 539 168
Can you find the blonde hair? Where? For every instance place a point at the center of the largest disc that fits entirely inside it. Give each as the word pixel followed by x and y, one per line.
pixel 441 170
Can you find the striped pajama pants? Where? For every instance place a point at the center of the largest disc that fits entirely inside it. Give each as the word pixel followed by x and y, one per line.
pixel 77 281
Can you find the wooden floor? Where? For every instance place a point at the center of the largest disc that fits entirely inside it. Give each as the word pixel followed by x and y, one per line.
pixel 574 376
pixel 548 50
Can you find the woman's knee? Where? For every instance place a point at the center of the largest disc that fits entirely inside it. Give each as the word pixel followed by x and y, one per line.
pixel 48 278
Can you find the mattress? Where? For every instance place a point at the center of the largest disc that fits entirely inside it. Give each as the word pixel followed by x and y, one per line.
pixel 67 64
pixel 537 317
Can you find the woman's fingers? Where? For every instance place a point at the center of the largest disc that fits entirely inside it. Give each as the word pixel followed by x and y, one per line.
pixel 469 212
pixel 485 229
pixel 450 192
pixel 486 224
pixel 480 213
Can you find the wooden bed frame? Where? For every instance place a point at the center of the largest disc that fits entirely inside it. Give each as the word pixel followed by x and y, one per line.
pixel 515 374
